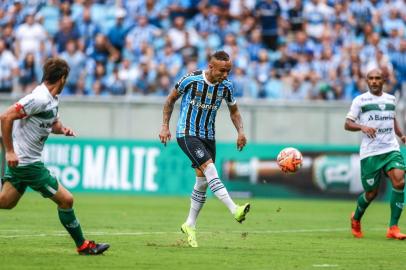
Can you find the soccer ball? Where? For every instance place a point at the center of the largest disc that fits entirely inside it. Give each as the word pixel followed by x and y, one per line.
pixel 289 160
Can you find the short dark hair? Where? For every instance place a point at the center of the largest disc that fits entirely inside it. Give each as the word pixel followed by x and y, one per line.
pixel 54 69
pixel 220 55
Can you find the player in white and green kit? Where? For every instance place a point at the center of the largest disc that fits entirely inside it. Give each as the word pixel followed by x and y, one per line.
pixel 373 113
pixel 25 126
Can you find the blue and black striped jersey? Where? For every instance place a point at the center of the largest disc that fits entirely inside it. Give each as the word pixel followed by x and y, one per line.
pixel 200 102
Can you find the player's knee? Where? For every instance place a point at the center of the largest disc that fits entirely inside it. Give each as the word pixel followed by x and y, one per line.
pixel 399 184
pixel 210 171
pixel 201 185
pixel 10 206
pixel 66 202
pixel 370 195
pixel 5 203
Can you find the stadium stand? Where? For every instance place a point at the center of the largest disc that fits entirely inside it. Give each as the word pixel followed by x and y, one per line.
pixel 283 50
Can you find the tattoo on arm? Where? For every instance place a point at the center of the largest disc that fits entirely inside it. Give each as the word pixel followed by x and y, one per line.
pixel 168 107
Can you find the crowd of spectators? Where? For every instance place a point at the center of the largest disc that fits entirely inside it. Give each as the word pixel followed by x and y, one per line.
pixel 286 49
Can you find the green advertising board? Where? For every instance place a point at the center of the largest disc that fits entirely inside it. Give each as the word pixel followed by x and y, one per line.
pixel 147 167
pixel 118 166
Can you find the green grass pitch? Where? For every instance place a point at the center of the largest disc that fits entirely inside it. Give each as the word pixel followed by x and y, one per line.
pixel 144 234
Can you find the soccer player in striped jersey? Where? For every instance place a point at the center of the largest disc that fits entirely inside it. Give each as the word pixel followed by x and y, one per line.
pixel 203 91
pixel 373 113
pixel 25 127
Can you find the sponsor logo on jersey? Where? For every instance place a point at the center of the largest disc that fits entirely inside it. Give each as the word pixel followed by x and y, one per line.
pixel 370 181
pixel 380 117
pixel 199 153
pixel 45 125
pixel 203 106
pixel 384 130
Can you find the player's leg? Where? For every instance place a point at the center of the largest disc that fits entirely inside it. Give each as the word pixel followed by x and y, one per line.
pixel 220 191
pixel 191 145
pixel 215 185
pixel 64 199
pixel 396 203
pixel 370 179
pixel 363 202
pixel 9 196
pixel 202 154
pixel 198 198
pixel 397 196
pixel 371 174
pixel 394 167
pixel 13 188
pixel 38 177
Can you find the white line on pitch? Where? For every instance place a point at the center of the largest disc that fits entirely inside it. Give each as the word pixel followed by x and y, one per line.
pixel 61 233
pixel 325 265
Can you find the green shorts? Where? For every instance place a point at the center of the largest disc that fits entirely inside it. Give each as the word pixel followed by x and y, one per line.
pixel 35 176
pixel 374 168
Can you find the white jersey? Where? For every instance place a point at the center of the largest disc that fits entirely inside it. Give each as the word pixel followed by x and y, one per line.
pixel 377 112
pixel 31 132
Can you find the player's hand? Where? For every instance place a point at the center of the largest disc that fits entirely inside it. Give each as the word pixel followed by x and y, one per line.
pixel 68 132
pixel 370 132
pixel 241 141
pixel 12 159
pixel 403 139
pixel 165 134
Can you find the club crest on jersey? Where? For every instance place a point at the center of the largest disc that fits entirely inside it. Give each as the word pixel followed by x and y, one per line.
pixel 382 106
pixel 370 181
pixel 199 153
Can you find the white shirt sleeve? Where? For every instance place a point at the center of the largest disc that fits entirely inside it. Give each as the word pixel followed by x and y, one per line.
pixel 32 104
pixel 355 110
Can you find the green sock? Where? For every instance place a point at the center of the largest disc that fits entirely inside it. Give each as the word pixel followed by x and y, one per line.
pixel 396 206
pixel 362 205
pixel 71 224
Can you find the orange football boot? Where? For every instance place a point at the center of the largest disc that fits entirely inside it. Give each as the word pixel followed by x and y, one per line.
pixel 356 227
pixel 394 233
pixel 90 247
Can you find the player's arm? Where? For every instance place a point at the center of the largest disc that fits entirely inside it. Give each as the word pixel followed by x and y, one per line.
pixel 7 119
pixel 399 132
pixel 351 125
pixel 237 121
pixel 165 134
pixel 59 128
pixel 352 116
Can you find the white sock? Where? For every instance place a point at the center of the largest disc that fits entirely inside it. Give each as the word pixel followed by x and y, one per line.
pixel 197 200
pixel 217 187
